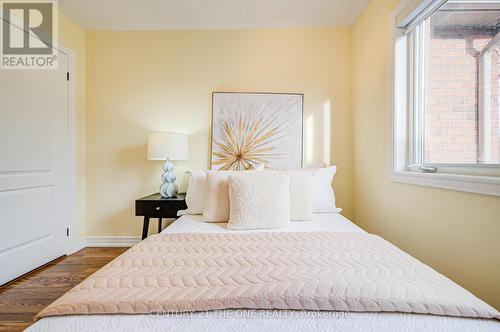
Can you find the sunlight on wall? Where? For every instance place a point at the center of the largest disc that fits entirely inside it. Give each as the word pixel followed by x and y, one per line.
pixel 309 153
pixel 326 132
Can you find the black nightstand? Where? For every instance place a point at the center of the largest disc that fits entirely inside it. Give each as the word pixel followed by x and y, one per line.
pixel 156 206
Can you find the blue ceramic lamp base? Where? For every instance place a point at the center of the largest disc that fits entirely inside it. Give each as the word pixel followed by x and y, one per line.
pixel 168 186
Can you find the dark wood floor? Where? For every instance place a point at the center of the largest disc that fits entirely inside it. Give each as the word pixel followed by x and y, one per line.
pixel 23 298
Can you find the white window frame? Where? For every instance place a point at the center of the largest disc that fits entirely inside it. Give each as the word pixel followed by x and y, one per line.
pixel 483 179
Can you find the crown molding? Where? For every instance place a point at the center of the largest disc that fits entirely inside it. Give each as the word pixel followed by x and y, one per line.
pixel 220 25
pixel 214 26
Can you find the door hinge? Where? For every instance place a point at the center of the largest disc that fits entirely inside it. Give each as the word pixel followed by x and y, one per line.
pixel 67 231
pixel 67 76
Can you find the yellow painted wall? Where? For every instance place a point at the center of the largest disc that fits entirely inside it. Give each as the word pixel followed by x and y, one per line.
pixel 456 233
pixel 72 36
pixel 141 81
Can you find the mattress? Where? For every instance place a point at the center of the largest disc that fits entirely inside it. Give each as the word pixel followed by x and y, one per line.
pixel 327 222
pixel 258 320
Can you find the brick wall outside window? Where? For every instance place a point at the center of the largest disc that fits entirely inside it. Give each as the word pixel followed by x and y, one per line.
pixel 450 116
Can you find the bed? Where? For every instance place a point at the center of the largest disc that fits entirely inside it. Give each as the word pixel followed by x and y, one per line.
pixel 257 320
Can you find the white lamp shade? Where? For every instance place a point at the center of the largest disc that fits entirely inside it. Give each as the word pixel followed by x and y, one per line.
pixel 167 145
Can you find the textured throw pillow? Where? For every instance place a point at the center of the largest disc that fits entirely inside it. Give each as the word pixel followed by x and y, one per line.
pixel 301 195
pixel 323 195
pixel 196 193
pixel 259 200
pixel 217 199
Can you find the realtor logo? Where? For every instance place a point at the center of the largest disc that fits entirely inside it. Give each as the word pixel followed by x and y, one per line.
pixel 29 34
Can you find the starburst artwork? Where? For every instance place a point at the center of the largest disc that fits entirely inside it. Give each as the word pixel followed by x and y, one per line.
pixel 256 128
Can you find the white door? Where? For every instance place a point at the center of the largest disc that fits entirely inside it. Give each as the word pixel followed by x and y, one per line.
pixel 33 168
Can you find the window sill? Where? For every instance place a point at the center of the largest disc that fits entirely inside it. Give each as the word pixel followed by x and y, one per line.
pixel 469 183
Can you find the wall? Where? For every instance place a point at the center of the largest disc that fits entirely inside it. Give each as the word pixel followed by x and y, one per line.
pixel 454 232
pixel 141 81
pixel 72 36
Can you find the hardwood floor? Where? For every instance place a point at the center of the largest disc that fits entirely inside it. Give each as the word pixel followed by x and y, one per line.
pixel 22 299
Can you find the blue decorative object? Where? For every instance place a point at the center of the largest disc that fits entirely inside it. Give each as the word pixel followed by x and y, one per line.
pixel 168 186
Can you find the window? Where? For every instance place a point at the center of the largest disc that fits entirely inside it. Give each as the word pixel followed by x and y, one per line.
pixel 446 94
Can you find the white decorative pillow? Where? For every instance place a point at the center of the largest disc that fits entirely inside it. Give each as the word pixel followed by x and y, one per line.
pixel 196 193
pixel 259 200
pixel 217 199
pixel 301 193
pixel 323 195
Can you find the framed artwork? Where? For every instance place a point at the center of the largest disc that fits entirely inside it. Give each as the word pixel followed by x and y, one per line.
pixel 256 128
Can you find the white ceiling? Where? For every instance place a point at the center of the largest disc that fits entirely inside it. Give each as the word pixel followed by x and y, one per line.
pixel 210 14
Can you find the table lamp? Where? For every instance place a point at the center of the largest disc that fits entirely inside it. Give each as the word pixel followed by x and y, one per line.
pixel 168 146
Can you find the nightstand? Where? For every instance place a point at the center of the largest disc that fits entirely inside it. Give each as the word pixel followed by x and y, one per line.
pixel 156 206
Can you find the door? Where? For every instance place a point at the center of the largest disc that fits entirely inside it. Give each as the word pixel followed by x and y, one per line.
pixel 33 168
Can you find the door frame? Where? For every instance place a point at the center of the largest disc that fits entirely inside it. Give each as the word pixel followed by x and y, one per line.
pixel 72 242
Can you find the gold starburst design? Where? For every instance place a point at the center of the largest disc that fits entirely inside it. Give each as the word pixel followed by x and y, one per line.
pixel 244 147
pixel 250 133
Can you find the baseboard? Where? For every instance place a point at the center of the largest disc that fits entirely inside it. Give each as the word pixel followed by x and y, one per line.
pixel 111 241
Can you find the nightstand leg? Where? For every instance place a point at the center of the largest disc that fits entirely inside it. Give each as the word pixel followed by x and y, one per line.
pixel 159 225
pixel 145 228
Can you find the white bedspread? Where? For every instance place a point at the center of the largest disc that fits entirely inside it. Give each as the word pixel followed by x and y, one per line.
pixel 328 222
pixel 260 320
pixel 239 321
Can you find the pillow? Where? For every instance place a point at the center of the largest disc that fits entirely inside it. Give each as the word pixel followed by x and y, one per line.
pixel 259 200
pixel 301 195
pixel 323 195
pixel 196 193
pixel 217 198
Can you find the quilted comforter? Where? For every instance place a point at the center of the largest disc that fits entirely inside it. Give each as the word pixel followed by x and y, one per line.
pixel 303 271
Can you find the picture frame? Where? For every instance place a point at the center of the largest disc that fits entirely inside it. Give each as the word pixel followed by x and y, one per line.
pixel 254 128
